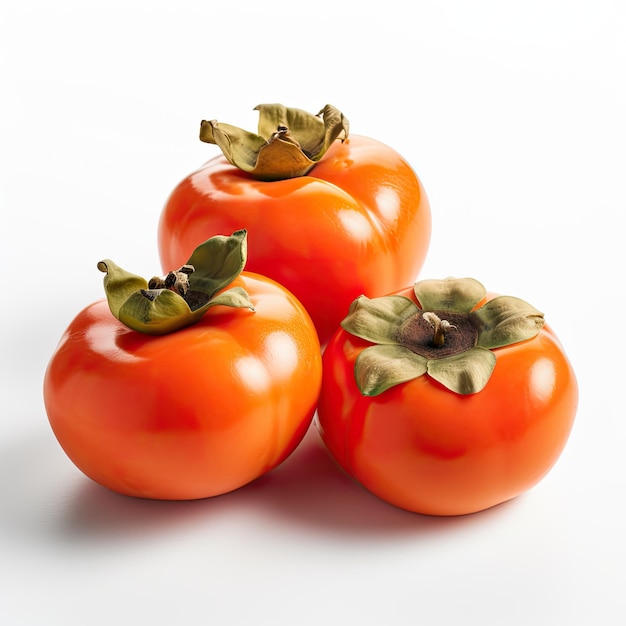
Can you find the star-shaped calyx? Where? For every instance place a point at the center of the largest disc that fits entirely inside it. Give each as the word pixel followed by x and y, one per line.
pixel 449 335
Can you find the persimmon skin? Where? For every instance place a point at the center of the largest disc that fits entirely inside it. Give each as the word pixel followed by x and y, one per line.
pixel 193 414
pixel 429 450
pixel 358 223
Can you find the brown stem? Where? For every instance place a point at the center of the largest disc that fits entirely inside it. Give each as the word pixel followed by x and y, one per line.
pixel 440 328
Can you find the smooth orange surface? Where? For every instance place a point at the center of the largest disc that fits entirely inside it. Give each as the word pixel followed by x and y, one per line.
pixel 426 449
pixel 359 223
pixel 193 414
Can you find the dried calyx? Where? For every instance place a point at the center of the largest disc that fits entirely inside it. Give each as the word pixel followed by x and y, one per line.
pixel 289 142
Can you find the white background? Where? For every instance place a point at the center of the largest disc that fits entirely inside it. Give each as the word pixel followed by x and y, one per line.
pixel 513 116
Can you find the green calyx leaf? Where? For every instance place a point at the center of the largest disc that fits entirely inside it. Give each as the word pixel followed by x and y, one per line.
pixel 289 141
pixel 448 337
pixel 506 320
pixel 379 368
pixel 459 295
pixel 464 373
pixel 217 262
pixel 164 305
pixel 378 319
